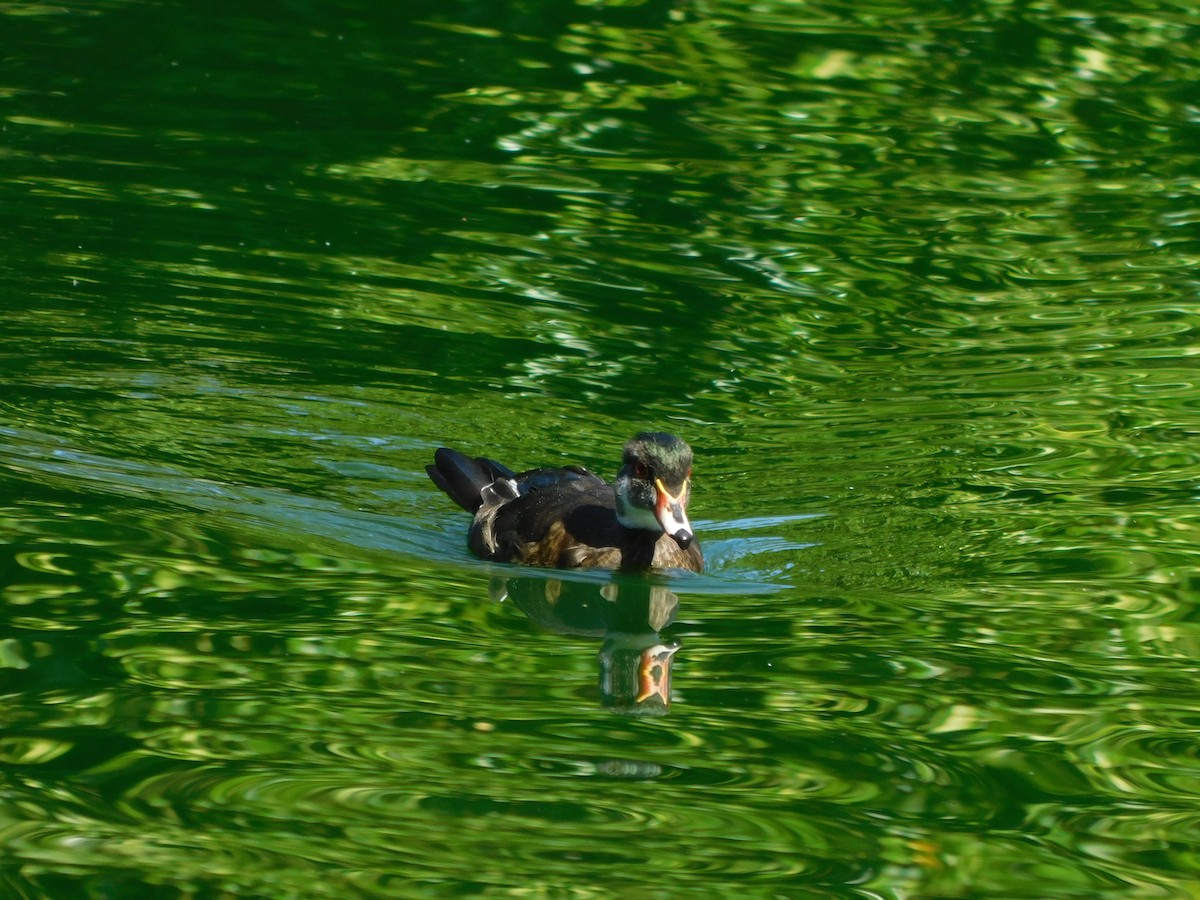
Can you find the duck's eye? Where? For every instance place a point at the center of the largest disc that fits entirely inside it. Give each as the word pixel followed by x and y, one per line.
pixel 639 470
pixel 689 475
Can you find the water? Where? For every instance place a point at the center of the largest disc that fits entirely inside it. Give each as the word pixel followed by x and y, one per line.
pixel 916 281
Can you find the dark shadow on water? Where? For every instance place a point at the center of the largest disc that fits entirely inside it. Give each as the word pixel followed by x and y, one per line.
pixel 627 615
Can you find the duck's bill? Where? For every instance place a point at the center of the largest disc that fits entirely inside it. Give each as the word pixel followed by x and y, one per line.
pixel 671 515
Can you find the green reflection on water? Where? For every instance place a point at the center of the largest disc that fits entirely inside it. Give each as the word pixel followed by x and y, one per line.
pixel 917 282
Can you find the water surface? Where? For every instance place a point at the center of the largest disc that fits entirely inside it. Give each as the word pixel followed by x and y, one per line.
pixel 916 281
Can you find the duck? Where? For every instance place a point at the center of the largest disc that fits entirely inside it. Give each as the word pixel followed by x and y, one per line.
pixel 569 518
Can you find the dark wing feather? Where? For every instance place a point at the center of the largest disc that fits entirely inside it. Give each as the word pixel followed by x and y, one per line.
pixel 534 528
pixel 463 478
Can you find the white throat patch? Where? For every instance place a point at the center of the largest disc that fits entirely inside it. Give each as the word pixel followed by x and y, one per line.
pixel 634 516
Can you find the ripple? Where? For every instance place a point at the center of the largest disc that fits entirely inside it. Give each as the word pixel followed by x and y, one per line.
pixel 1148 763
pixel 922 298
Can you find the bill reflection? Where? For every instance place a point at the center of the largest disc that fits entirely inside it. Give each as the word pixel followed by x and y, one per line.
pixel 634 659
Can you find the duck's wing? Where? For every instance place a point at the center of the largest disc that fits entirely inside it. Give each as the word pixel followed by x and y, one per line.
pixel 552 512
pixel 577 477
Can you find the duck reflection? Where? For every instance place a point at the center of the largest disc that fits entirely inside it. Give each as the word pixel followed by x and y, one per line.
pixel 635 660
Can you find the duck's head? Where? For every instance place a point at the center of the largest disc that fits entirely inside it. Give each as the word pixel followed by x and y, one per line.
pixel 653 486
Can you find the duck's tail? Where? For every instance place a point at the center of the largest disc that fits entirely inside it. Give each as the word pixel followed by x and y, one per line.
pixel 464 478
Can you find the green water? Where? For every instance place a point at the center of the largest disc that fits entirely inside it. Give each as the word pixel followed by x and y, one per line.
pixel 918 282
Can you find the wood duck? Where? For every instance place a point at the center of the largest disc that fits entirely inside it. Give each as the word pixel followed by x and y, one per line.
pixel 569 518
